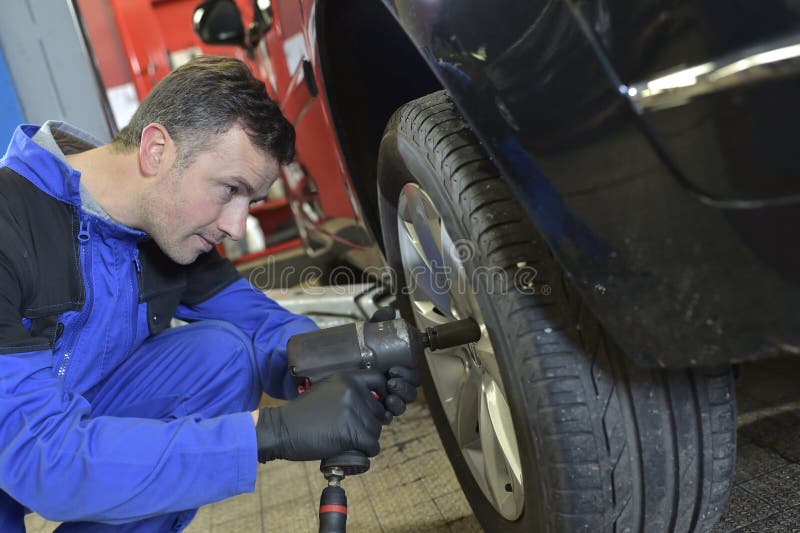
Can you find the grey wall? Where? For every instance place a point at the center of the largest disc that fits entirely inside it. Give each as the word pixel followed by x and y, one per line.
pixel 50 66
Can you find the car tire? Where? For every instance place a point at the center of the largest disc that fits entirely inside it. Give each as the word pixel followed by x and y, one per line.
pixel 600 444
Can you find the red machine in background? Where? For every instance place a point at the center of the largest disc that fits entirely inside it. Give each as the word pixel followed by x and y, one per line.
pixel 151 37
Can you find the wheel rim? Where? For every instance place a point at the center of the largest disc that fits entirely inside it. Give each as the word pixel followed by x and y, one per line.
pixel 467 379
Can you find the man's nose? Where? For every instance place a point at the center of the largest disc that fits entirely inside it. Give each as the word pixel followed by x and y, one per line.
pixel 234 221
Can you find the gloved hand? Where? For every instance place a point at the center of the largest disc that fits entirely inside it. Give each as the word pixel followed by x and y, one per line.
pixel 401 388
pixel 337 414
pixel 402 382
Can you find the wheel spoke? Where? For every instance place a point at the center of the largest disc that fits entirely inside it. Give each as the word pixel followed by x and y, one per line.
pixel 426 224
pixel 428 314
pixel 420 280
pixel 501 459
pixel 492 465
pixel 420 250
pixel 450 374
pixel 485 354
pixel 461 300
pixel 502 427
pixel 466 426
pixel 411 250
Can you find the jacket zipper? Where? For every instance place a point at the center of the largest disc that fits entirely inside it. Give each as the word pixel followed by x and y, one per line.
pixel 137 283
pixel 138 266
pixel 83 241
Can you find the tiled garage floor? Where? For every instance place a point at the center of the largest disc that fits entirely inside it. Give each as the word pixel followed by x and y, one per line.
pixel 766 494
pixel 411 486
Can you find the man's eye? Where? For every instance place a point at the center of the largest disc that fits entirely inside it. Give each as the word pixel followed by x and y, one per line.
pixel 231 189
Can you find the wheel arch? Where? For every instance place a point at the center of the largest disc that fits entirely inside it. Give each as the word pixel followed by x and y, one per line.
pixel 369 68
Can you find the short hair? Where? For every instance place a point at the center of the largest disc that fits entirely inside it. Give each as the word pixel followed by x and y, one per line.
pixel 206 97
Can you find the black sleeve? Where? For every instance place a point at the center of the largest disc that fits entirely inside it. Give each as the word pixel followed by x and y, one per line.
pixel 14 337
pixel 39 264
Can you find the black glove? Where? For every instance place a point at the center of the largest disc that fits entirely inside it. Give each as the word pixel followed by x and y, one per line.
pixel 382 314
pixel 401 388
pixel 337 414
pixel 402 382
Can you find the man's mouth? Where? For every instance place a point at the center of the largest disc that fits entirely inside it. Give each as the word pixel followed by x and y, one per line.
pixel 207 244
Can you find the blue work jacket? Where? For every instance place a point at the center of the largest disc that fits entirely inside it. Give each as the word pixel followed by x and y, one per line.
pixel 78 294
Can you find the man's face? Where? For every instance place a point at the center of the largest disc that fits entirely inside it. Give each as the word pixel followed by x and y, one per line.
pixel 190 210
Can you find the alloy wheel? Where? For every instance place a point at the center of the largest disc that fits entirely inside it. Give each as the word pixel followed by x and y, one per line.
pixel 467 378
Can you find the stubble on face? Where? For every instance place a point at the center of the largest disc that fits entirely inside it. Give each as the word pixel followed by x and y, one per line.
pixel 163 208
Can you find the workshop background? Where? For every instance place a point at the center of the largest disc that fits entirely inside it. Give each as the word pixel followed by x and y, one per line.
pixel 90 62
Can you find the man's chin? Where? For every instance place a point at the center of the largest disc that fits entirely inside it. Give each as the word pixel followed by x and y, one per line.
pixel 184 260
pixel 180 256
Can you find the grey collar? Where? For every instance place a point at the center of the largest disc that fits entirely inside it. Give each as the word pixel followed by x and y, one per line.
pixel 60 138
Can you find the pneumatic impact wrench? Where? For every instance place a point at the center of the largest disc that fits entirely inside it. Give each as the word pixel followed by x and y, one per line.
pixel 362 345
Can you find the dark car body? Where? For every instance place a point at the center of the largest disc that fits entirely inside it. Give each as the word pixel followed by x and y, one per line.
pixel 651 143
pixel 672 205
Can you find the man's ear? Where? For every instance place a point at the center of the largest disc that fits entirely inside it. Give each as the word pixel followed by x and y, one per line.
pixel 152 148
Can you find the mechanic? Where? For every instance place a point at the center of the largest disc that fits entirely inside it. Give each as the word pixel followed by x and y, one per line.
pixel 109 420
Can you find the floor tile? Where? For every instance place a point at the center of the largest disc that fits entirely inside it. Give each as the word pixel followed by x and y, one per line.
pixel 202 521
pixel 423 516
pixel 236 507
pixel 466 524
pixel 781 488
pixel 743 508
pixel 245 524
pixel 753 460
pixel 299 516
pixel 453 505
pixel 786 521
pixel 284 483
